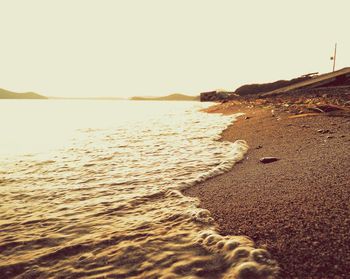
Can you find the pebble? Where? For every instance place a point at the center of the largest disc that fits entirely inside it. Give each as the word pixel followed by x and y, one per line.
pixel 323 131
pixel 266 160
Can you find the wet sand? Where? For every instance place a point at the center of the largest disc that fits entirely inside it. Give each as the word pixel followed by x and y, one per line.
pixel 298 207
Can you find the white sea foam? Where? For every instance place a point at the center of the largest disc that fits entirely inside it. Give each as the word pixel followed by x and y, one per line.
pixel 106 199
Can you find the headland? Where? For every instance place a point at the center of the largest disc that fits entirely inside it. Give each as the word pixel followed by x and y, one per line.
pixel 5 94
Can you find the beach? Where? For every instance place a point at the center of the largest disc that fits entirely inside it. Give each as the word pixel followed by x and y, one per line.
pixel 296 207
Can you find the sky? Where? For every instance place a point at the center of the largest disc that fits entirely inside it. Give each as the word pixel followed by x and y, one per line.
pixel 123 48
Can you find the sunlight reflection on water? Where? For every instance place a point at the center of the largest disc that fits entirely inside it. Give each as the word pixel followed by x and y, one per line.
pixel 98 192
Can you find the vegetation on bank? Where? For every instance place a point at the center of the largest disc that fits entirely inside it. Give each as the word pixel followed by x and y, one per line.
pixel 253 89
pixel 336 79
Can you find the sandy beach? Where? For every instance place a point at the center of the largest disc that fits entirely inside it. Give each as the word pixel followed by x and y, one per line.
pixel 297 207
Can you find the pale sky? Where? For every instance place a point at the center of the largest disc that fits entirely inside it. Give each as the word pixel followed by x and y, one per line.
pixel 122 48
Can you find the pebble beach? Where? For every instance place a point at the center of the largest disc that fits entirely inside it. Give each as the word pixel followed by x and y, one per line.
pixel 296 207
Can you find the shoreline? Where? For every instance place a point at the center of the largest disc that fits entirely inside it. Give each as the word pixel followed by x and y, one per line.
pixel 296 207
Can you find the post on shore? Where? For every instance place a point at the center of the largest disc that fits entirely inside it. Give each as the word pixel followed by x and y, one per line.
pixel 334 56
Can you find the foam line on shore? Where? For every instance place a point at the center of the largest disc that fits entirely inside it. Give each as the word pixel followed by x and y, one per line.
pixel 237 153
pixel 242 258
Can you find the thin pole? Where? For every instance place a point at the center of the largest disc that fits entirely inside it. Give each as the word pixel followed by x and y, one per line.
pixel 335 56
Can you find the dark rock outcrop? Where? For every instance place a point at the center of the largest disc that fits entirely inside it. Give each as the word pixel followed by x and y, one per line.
pixel 216 96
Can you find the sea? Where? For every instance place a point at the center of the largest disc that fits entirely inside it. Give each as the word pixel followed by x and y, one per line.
pixel 93 189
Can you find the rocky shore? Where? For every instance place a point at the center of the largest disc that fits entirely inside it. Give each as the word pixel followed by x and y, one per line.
pixel 296 206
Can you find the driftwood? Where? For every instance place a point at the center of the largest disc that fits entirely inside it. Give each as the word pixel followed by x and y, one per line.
pixel 329 107
pixel 304 115
pixel 316 109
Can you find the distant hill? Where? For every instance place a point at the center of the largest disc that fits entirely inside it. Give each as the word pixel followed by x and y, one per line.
pixel 172 97
pixel 5 94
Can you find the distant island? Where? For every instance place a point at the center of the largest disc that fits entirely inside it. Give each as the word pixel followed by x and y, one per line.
pixel 5 94
pixel 172 97
pixel 88 98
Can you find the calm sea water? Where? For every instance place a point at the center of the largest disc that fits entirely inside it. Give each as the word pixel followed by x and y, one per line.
pixel 93 189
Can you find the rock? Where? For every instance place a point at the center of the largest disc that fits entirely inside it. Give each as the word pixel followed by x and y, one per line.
pixel 266 160
pixel 247 117
pixel 259 147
